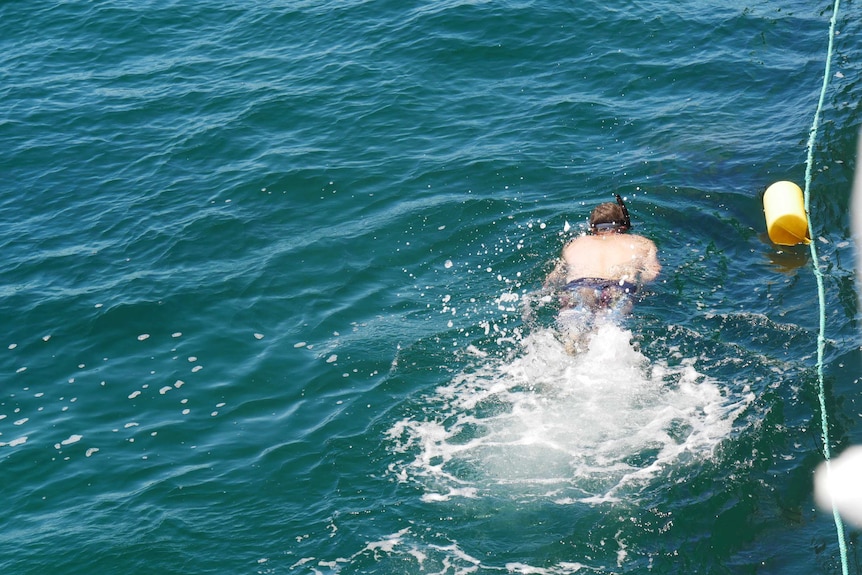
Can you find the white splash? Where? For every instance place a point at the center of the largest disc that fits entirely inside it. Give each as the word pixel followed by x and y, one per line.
pixel 593 427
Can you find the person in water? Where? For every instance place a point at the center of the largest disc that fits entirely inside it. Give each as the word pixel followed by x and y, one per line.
pixel 600 273
pixel 609 262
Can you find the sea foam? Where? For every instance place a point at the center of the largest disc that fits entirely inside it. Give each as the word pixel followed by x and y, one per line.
pixel 595 426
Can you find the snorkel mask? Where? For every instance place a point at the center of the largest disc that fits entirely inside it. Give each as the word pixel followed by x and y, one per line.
pixel 616 226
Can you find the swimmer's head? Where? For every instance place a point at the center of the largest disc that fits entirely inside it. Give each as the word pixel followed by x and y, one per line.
pixel 609 216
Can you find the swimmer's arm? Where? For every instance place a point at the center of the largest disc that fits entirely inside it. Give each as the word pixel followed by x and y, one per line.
pixel 557 277
pixel 552 282
pixel 651 265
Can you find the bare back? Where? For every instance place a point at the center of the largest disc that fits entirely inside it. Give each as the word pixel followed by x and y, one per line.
pixel 613 256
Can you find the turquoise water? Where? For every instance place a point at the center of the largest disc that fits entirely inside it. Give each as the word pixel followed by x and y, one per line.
pixel 265 269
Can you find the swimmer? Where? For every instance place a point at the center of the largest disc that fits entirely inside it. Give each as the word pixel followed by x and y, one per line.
pixel 601 272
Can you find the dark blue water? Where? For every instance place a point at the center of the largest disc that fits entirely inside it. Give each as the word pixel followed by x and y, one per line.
pixel 265 270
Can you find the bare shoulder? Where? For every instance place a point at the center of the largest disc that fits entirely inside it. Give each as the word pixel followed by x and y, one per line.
pixel 642 242
pixel 642 239
pixel 579 242
pixel 575 244
pixel 581 239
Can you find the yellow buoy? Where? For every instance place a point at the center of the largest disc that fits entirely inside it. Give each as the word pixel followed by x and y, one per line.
pixel 786 220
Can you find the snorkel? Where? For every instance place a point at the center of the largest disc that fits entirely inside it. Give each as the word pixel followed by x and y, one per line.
pixel 627 224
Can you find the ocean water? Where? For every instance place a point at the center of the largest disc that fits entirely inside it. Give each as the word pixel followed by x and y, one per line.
pixel 270 274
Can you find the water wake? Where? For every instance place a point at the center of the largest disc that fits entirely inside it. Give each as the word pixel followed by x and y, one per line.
pixel 596 426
